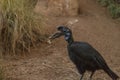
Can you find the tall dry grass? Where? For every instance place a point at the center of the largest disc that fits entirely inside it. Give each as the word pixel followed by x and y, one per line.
pixel 2 77
pixel 20 26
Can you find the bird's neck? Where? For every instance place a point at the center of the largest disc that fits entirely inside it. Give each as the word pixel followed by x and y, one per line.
pixel 69 37
pixel 70 41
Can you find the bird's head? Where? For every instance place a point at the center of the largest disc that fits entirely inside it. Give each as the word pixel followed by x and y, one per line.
pixel 62 31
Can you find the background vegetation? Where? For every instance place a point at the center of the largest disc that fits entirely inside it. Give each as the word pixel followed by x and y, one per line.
pixel 1 74
pixel 20 26
pixel 113 6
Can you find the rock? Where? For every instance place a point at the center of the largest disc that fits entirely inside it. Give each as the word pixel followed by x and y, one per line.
pixel 63 7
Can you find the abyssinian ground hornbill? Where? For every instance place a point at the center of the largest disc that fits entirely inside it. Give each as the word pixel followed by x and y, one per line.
pixel 83 55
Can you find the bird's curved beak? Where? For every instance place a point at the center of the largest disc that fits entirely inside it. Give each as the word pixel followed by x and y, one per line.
pixel 56 35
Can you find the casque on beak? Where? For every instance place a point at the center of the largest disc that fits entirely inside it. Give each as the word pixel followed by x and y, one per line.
pixel 54 36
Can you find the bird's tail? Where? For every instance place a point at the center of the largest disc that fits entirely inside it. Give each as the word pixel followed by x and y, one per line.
pixel 111 74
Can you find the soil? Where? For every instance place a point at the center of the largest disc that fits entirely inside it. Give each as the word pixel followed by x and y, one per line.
pixel 51 62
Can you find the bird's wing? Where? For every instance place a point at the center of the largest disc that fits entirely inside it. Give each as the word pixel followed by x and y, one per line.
pixel 88 54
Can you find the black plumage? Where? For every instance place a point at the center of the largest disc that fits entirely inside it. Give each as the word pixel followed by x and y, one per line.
pixel 83 55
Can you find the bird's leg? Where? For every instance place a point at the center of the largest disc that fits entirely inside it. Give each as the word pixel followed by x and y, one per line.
pixel 92 75
pixel 82 76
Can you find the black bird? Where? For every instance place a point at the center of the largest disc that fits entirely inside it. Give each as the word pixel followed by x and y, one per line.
pixel 83 55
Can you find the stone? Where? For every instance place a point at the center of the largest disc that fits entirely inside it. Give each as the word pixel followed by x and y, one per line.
pixel 63 7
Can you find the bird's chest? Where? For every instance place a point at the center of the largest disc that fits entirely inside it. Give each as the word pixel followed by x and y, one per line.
pixel 72 56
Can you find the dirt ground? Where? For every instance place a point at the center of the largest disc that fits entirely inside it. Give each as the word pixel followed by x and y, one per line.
pixel 51 62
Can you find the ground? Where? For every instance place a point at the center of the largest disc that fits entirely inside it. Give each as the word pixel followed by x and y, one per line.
pixel 51 62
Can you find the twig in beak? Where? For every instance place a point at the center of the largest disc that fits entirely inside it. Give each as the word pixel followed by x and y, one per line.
pixel 49 41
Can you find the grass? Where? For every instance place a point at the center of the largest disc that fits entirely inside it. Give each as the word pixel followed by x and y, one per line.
pixel 1 74
pixel 112 6
pixel 20 26
pixel 114 10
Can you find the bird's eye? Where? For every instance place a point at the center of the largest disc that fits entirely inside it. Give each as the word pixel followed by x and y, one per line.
pixel 64 30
